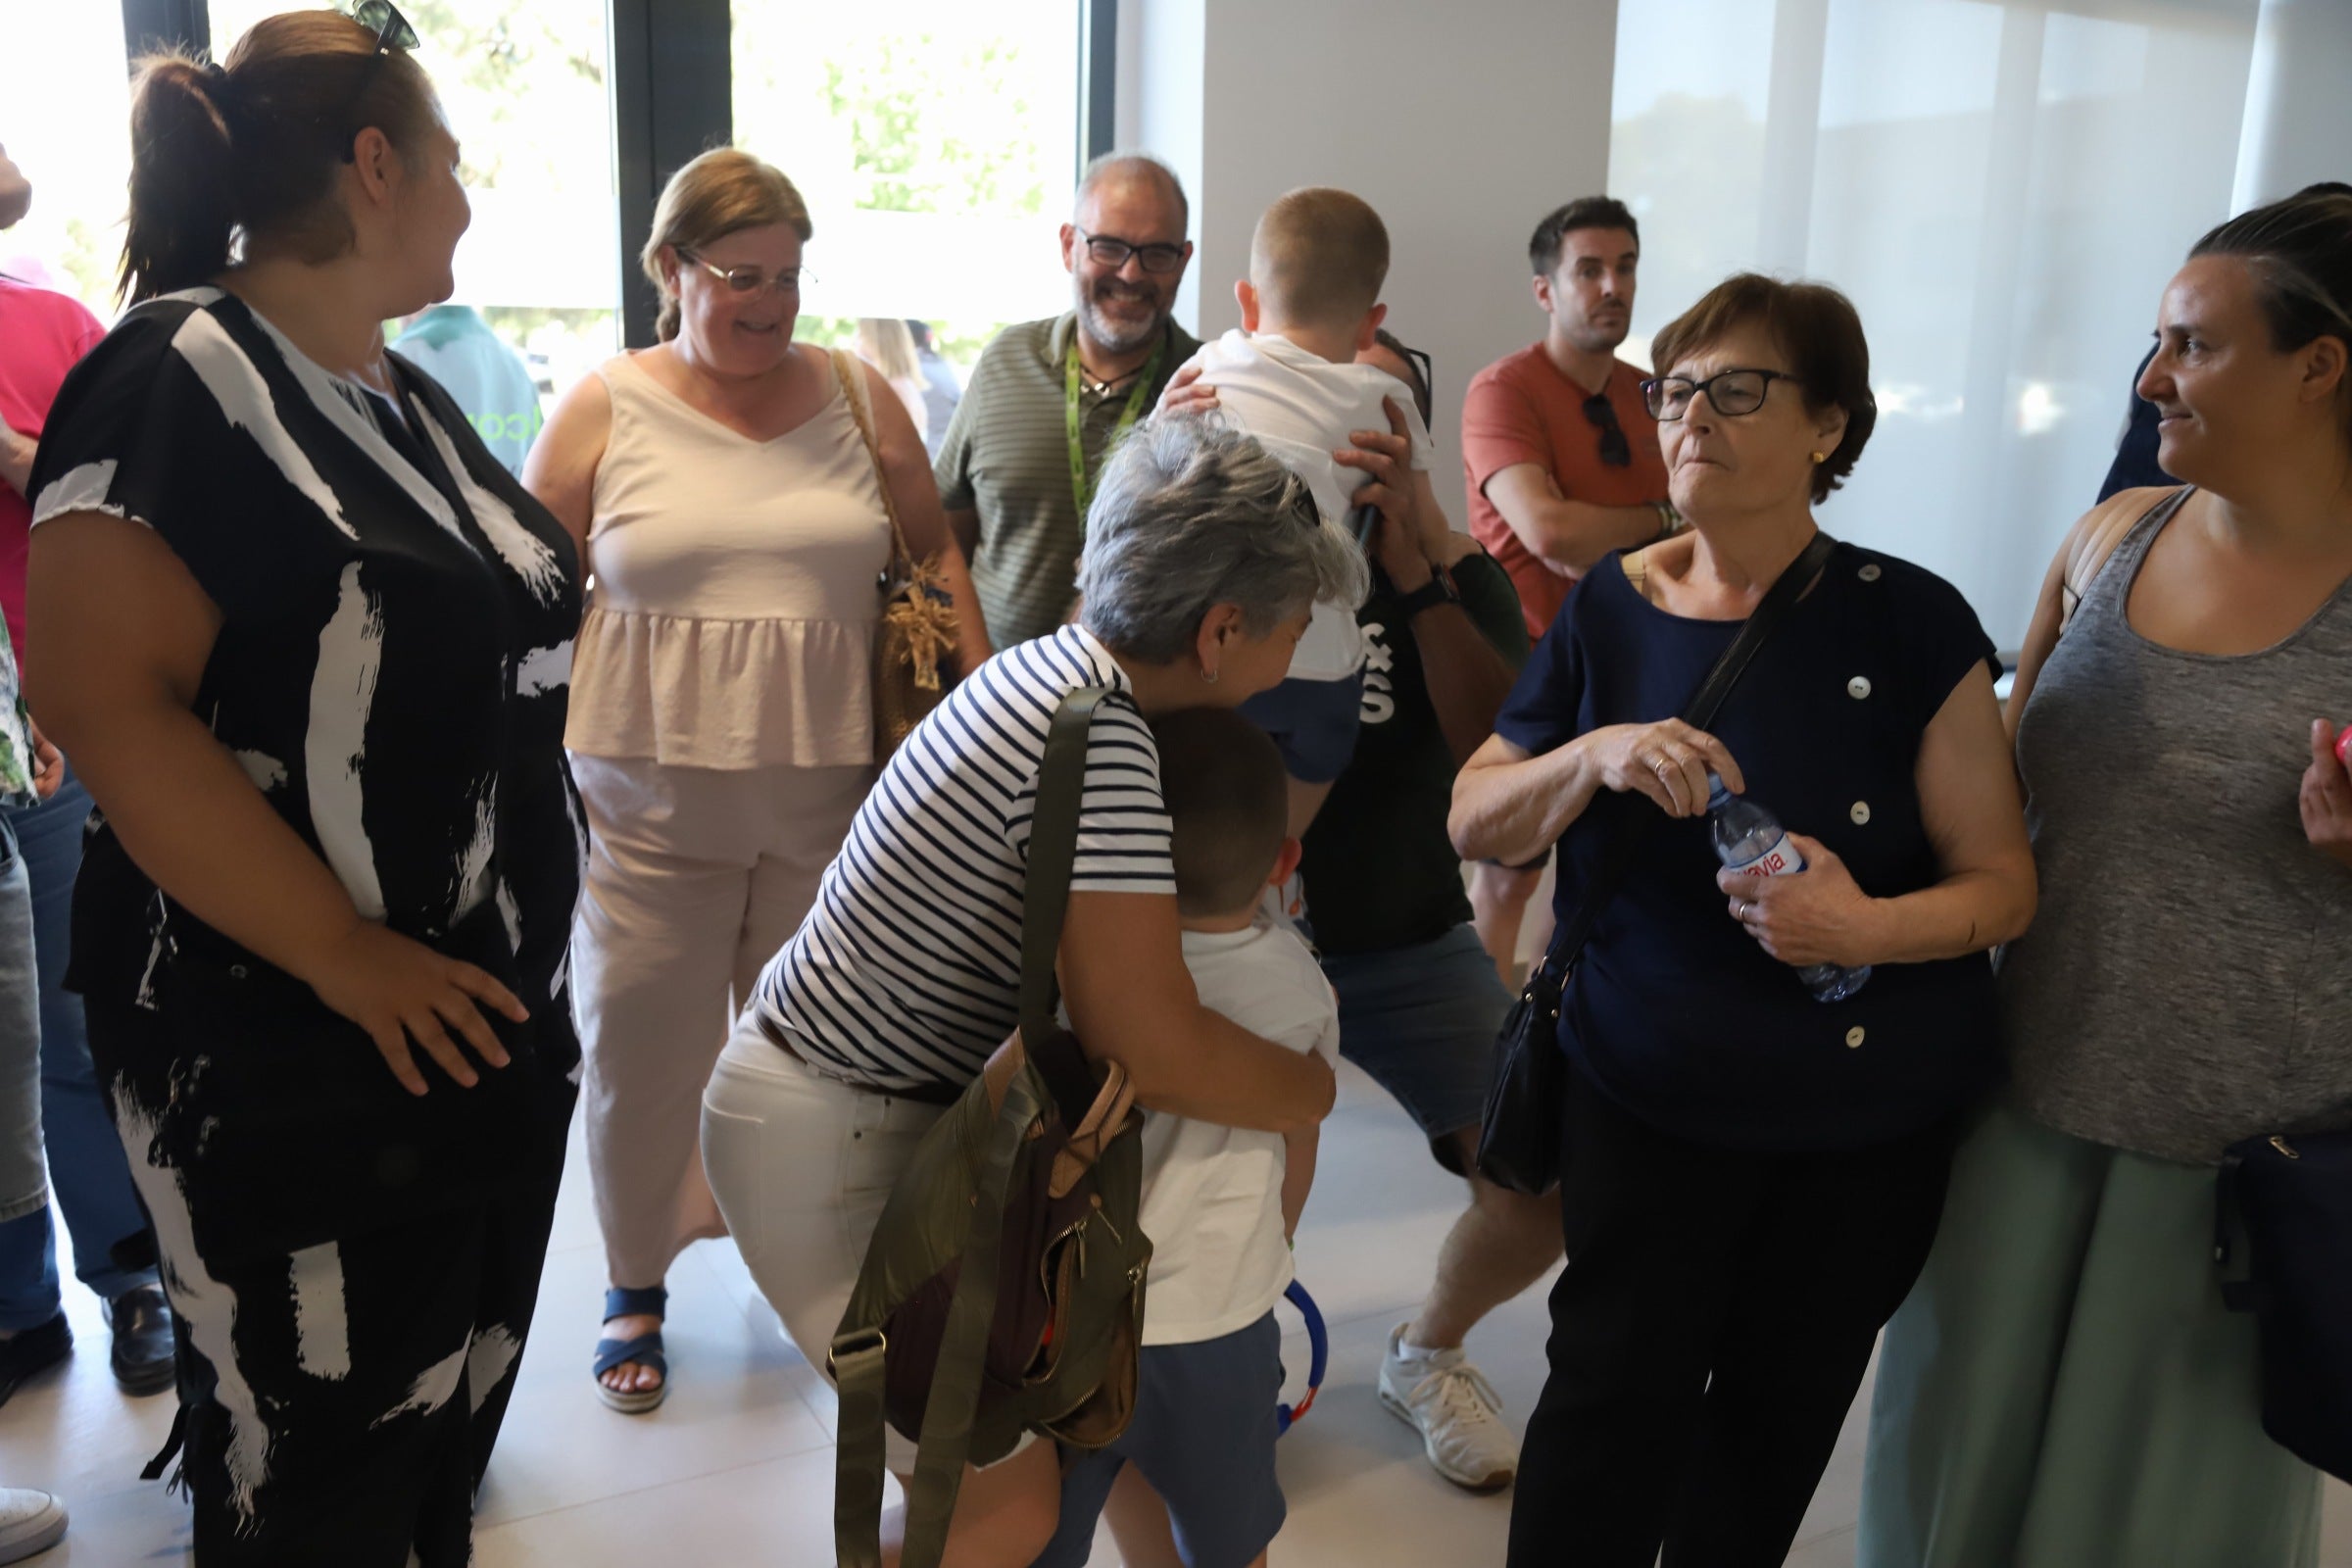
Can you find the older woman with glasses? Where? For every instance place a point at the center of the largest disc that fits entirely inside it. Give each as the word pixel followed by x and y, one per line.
pixel 733 496
pixel 1753 1175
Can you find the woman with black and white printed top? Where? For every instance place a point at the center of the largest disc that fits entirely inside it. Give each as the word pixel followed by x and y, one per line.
pixel 307 642
pixel 1203 556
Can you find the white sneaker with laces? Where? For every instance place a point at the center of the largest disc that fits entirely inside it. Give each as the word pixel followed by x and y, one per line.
pixel 1456 1411
pixel 30 1522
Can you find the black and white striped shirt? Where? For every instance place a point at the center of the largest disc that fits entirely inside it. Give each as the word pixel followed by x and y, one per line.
pixel 908 972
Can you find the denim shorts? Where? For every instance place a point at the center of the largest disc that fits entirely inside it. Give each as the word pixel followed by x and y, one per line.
pixel 1423 1021
pixel 1204 1436
pixel 1312 722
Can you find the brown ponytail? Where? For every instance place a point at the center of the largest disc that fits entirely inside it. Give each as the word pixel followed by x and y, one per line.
pixel 227 157
pixel 182 198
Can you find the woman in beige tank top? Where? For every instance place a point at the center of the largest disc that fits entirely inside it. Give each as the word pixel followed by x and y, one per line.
pixel 732 517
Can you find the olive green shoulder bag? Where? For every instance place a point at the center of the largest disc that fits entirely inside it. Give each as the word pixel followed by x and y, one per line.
pixel 1003 1292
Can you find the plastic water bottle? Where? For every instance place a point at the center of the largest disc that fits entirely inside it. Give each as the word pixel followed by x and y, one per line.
pixel 1750 840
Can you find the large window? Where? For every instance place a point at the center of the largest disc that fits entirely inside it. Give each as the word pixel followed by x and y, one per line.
pixel 65 118
pixel 2002 186
pixel 936 143
pixel 523 83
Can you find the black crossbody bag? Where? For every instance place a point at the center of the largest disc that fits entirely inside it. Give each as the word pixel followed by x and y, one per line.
pixel 2283 1238
pixel 1519 1140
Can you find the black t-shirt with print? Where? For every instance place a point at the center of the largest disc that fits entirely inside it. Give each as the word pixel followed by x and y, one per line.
pixel 1380 871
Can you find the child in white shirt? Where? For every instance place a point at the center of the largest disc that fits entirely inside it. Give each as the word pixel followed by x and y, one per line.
pixel 1290 378
pixel 1219 1203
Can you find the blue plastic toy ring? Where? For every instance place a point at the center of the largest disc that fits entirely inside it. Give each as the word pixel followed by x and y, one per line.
pixel 1318 1344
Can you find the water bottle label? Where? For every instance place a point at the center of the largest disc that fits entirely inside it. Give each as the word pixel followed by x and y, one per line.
pixel 1781 858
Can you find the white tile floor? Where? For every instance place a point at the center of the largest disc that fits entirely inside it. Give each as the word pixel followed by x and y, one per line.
pixel 736 1468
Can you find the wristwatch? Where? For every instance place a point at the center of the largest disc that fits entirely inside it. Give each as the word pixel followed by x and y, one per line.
pixel 1439 590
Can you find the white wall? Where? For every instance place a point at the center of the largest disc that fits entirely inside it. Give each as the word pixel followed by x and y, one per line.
pixel 1462 123
pixel 2002 186
pixel 2298 114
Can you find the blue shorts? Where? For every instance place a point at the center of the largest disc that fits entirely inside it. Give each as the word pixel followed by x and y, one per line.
pixel 1204 1436
pixel 1423 1021
pixel 1312 722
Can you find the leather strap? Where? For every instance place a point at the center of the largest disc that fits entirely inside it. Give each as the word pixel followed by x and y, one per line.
pixel 1046 897
pixel 1617 862
pixel 849 372
pixel 858 1453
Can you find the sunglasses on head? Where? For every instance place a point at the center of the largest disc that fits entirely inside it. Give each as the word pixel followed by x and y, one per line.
pixel 392 32
pixel 1616 452
pixel 1425 383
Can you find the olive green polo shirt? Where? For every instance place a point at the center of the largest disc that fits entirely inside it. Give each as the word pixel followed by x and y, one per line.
pixel 1006 456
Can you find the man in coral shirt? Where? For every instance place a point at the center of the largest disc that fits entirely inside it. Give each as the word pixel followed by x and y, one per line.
pixel 1562 458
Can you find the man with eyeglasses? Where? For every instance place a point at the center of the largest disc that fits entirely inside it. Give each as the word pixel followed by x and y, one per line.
pixel 1562 460
pixel 1049 397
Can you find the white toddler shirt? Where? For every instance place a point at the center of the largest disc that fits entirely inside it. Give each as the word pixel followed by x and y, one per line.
pixel 1302 407
pixel 1212 1196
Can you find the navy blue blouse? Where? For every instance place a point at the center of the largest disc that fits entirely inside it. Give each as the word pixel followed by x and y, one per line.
pixel 1673 1011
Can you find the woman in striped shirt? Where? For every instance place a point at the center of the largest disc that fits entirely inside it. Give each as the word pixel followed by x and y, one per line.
pixel 1203 555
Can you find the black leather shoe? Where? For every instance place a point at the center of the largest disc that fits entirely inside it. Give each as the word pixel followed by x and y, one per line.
pixel 143 1350
pixel 32 1351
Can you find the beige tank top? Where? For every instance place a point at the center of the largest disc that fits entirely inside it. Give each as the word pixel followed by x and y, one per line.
pixel 732 619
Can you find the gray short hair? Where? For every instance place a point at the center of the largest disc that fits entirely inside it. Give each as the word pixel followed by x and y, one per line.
pixel 1132 163
pixel 1191 514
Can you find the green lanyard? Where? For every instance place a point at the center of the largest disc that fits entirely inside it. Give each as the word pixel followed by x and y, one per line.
pixel 1081 489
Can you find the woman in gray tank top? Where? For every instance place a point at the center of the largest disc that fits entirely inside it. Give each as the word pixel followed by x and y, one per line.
pixel 2064 1385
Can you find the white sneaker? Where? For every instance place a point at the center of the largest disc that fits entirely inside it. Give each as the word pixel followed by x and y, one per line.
pixel 1456 1411
pixel 29 1522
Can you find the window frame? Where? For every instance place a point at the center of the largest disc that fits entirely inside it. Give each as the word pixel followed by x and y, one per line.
pixel 672 90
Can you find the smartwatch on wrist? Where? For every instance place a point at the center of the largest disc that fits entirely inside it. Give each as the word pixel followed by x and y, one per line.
pixel 1439 590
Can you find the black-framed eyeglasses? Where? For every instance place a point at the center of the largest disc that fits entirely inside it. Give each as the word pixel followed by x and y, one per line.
pixel 1616 452
pixel 1114 252
pixel 1732 393
pixel 392 32
pixel 750 279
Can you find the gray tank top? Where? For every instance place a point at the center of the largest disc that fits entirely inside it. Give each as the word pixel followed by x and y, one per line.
pixel 2187 981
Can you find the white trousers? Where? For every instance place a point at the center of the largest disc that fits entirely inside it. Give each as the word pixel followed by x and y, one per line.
pixel 695 876
pixel 801 1165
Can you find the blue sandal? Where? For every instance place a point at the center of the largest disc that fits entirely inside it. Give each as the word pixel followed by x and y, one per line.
pixel 645 1350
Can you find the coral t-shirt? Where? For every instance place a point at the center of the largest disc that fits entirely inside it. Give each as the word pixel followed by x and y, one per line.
pixel 44 334
pixel 1522 410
